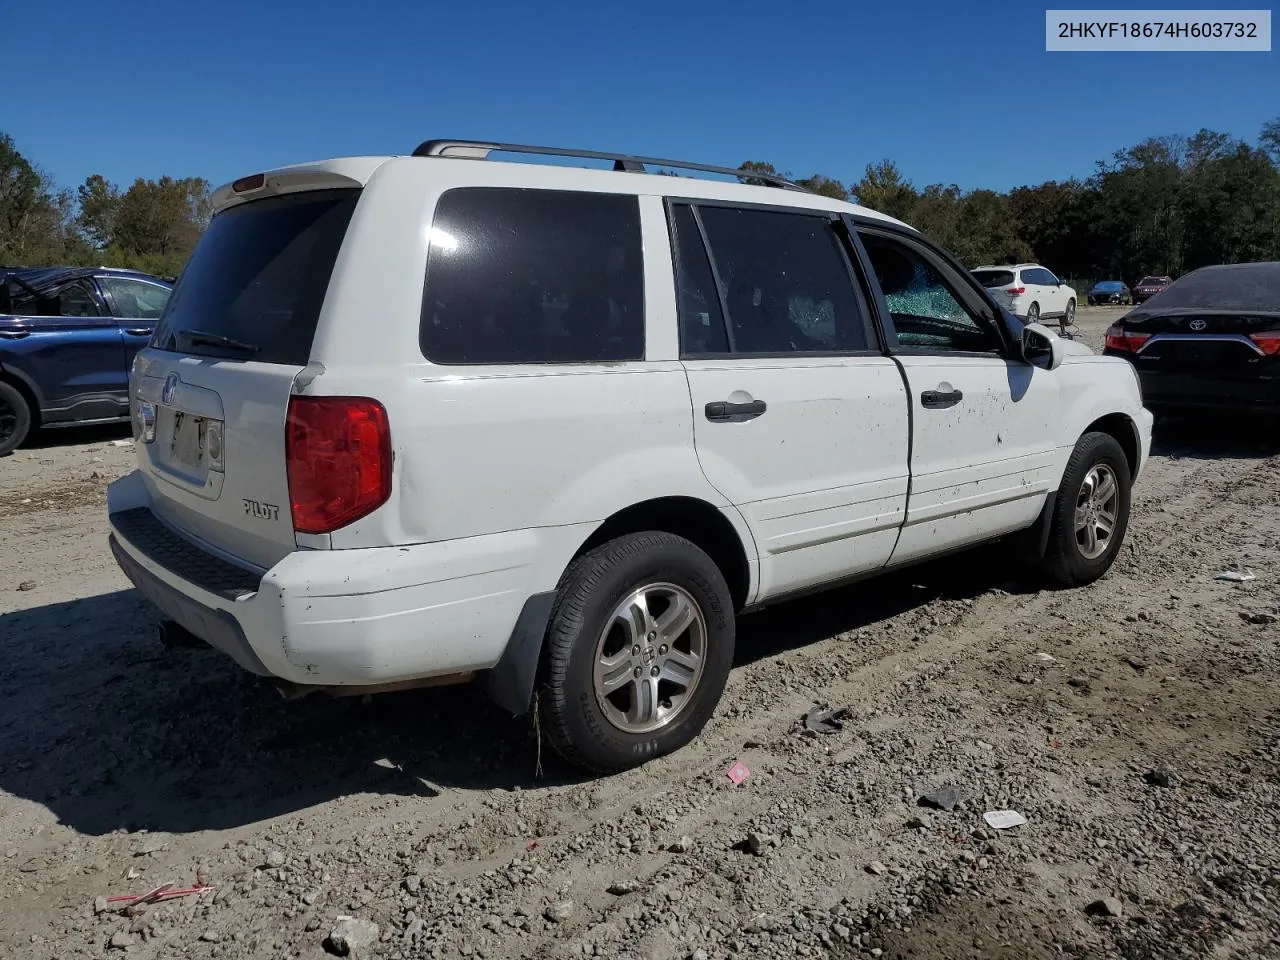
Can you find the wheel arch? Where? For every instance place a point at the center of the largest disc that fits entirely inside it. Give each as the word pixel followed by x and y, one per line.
pixel 697 521
pixel 512 681
pixel 1124 431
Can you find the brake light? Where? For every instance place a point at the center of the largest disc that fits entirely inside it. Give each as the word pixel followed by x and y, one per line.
pixel 1126 341
pixel 1268 342
pixel 338 452
pixel 1015 291
pixel 246 184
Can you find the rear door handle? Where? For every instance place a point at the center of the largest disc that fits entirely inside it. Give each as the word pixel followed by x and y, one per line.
pixel 14 334
pixel 137 331
pixel 722 411
pixel 940 399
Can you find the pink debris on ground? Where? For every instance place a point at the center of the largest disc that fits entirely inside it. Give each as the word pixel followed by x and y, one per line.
pixel 738 772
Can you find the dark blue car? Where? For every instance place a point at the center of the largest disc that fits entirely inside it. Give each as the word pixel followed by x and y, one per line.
pixel 67 340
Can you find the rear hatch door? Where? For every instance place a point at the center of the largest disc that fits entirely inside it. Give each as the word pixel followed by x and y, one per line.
pixel 211 393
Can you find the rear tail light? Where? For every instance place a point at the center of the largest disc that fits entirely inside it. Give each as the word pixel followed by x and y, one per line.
pixel 1015 291
pixel 338 451
pixel 1126 341
pixel 1268 342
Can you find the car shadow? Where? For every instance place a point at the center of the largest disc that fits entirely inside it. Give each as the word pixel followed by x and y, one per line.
pixel 110 730
pixel 72 436
pixel 1216 436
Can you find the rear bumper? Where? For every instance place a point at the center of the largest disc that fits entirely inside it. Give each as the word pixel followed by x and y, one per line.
pixel 339 617
pixel 1190 391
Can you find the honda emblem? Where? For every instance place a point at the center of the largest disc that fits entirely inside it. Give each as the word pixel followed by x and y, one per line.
pixel 170 388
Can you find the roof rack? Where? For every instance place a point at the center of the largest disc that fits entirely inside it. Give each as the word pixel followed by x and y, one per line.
pixel 479 150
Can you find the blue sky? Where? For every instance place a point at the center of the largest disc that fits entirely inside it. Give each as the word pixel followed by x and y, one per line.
pixel 950 94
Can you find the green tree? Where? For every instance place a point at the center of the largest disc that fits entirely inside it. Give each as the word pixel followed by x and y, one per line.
pixel 158 223
pixel 99 206
pixel 35 217
pixel 883 188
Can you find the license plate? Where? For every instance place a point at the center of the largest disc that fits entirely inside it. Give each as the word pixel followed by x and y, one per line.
pixel 187 447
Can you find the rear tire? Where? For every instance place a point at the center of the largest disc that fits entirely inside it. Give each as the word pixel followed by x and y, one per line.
pixel 1033 313
pixel 15 419
pixel 1094 496
pixel 1069 318
pixel 637 653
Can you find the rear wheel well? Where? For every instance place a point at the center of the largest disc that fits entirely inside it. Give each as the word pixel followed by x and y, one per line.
pixel 1125 433
pixel 695 520
pixel 27 395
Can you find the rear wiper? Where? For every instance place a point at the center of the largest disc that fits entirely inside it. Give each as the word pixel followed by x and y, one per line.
pixel 202 338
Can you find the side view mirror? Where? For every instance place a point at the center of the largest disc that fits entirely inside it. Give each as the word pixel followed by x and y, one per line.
pixel 1041 348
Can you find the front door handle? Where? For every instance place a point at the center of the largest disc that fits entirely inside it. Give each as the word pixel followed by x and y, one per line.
pixel 940 399
pixel 137 331
pixel 722 411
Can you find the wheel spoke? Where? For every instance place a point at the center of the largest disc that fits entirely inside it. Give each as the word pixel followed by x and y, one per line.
pixel 636 620
pixel 1105 490
pixel 1104 524
pixel 676 619
pixel 614 679
pixel 1082 519
pixel 644 701
pixel 678 673
pixel 1090 540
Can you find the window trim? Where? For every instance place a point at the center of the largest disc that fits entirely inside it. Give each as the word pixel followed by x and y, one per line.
pixel 870 328
pixel 544 364
pixel 973 296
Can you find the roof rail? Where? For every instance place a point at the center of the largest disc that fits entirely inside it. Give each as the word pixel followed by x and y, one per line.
pixel 479 150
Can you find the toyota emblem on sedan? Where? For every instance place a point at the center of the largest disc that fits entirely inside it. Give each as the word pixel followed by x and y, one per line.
pixel 170 388
pixel 1198 324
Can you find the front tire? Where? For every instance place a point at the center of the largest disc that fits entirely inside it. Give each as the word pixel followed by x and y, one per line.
pixel 1091 513
pixel 637 653
pixel 15 419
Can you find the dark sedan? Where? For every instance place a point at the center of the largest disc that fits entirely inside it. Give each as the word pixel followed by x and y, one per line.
pixel 1109 291
pixel 1210 340
pixel 1148 287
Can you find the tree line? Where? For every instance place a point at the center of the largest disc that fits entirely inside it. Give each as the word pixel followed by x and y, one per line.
pixel 1165 206
pixel 153 225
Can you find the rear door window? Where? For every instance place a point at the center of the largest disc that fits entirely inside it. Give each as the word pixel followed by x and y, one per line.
pixel 533 276
pixel 785 281
pixel 255 284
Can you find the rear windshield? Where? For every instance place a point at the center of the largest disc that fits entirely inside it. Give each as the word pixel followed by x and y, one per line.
pixel 254 286
pixel 1153 281
pixel 1109 285
pixel 994 278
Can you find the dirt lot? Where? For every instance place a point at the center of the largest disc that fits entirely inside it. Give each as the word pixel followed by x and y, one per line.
pixel 1136 724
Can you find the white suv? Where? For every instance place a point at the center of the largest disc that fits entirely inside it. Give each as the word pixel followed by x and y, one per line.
pixel 424 419
pixel 1030 292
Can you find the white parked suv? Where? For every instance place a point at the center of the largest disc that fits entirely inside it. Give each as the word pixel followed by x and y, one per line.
pixel 433 418
pixel 1030 292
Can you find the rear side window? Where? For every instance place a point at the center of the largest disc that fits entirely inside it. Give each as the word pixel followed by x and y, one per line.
pixel 993 278
pixel 255 284
pixel 786 282
pixel 533 276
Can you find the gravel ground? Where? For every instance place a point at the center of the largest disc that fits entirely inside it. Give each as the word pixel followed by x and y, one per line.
pixel 1135 724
